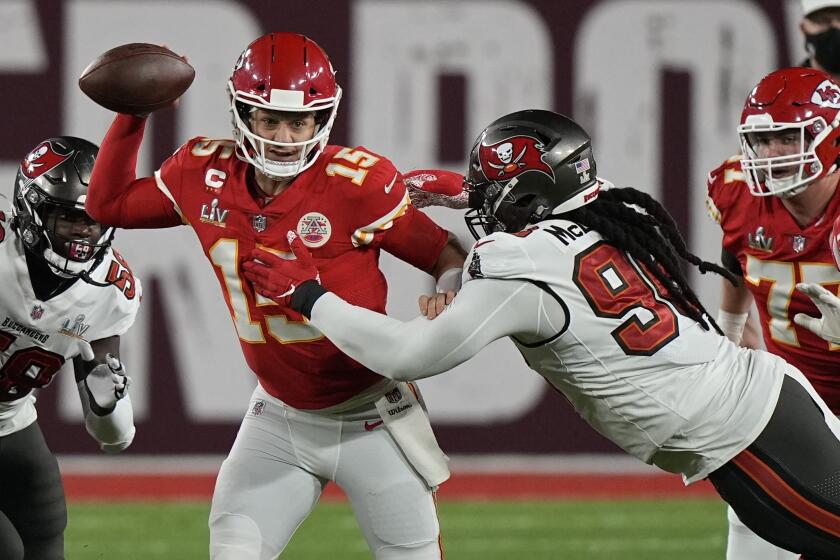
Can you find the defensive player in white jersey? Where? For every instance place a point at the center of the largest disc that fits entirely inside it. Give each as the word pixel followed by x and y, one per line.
pixel 66 295
pixel 588 285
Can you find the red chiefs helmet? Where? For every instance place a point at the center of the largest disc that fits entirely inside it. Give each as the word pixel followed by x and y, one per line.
pixel 282 72
pixel 806 102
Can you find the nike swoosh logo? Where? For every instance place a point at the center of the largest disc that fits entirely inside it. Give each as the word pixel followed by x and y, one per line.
pixel 390 185
pixel 370 426
pixel 485 242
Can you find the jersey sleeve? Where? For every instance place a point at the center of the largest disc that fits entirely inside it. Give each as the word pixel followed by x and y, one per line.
pixel 121 299
pixel 723 186
pixel 416 239
pixel 729 202
pixel 387 219
pixel 501 256
pixel 481 313
pixel 124 315
pixel 169 178
pixel 115 196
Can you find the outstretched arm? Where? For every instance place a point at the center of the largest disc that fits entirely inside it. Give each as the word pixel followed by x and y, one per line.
pixel 485 310
pixel 436 187
pixel 115 196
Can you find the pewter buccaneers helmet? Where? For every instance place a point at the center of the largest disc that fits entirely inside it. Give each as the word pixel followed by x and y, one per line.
pixel 52 178
pixel 282 72
pixel 526 166
pixel 803 100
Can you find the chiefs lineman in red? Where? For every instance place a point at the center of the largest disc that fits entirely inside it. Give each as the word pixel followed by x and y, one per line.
pixel 312 418
pixel 776 204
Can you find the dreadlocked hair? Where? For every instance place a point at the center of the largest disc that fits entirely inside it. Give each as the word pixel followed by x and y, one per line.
pixel 653 238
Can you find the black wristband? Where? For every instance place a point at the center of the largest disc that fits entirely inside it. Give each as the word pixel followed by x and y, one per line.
pixel 305 297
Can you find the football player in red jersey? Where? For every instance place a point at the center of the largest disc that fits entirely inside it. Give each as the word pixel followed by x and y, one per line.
pixel 315 414
pixel 775 204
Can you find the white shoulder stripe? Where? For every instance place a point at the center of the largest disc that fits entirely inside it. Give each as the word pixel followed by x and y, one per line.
pixel 364 234
pixel 165 190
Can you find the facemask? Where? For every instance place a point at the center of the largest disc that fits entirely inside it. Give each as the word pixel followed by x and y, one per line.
pixel 825 48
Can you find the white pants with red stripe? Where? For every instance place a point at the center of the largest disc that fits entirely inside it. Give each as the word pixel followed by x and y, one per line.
pixel 279 464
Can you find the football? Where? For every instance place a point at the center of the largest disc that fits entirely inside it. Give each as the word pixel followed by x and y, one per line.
pixel 137 78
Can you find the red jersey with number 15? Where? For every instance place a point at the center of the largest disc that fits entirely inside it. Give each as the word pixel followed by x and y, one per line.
pixel 775 253
pixel 346 207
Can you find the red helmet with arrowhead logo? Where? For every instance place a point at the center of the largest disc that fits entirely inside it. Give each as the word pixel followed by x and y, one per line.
pixel 799 107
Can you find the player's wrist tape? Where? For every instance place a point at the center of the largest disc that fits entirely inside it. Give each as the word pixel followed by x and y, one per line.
pixel 732 324
pixel 305 296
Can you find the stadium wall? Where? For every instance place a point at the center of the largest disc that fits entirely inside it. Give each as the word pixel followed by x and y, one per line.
pixel 658 83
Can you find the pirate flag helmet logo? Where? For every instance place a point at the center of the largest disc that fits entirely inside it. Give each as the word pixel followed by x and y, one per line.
pixel 510 157
pixel 525 167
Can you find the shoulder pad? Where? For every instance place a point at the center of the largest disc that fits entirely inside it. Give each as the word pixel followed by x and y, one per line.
pixel 201 147
pixel 499 255
pixel 727 174
pixel 114 270
pixel 364 168
pixel 725 185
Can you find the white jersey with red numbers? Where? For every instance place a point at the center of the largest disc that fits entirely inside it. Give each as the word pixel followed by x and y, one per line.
pixel 601 329
pixel 38 337
pixel 775 254
pixel 346 207
pixel 634 367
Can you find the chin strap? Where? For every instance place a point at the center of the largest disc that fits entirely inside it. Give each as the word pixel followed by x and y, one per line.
pixel 85 276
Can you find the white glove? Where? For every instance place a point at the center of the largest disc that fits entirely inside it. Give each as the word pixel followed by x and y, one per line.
pixel 106 383
pixel 827 326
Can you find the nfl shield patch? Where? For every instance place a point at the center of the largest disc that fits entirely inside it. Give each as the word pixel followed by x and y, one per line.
pixel 259 222
pixel 798 243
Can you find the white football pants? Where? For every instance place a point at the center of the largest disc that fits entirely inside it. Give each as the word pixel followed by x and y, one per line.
pixel 279 464
pixel 743 544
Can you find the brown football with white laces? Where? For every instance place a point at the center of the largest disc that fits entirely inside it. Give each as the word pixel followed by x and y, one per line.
pixel 136 78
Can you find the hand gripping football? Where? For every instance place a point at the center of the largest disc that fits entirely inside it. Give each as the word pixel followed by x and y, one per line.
pixel 137 78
